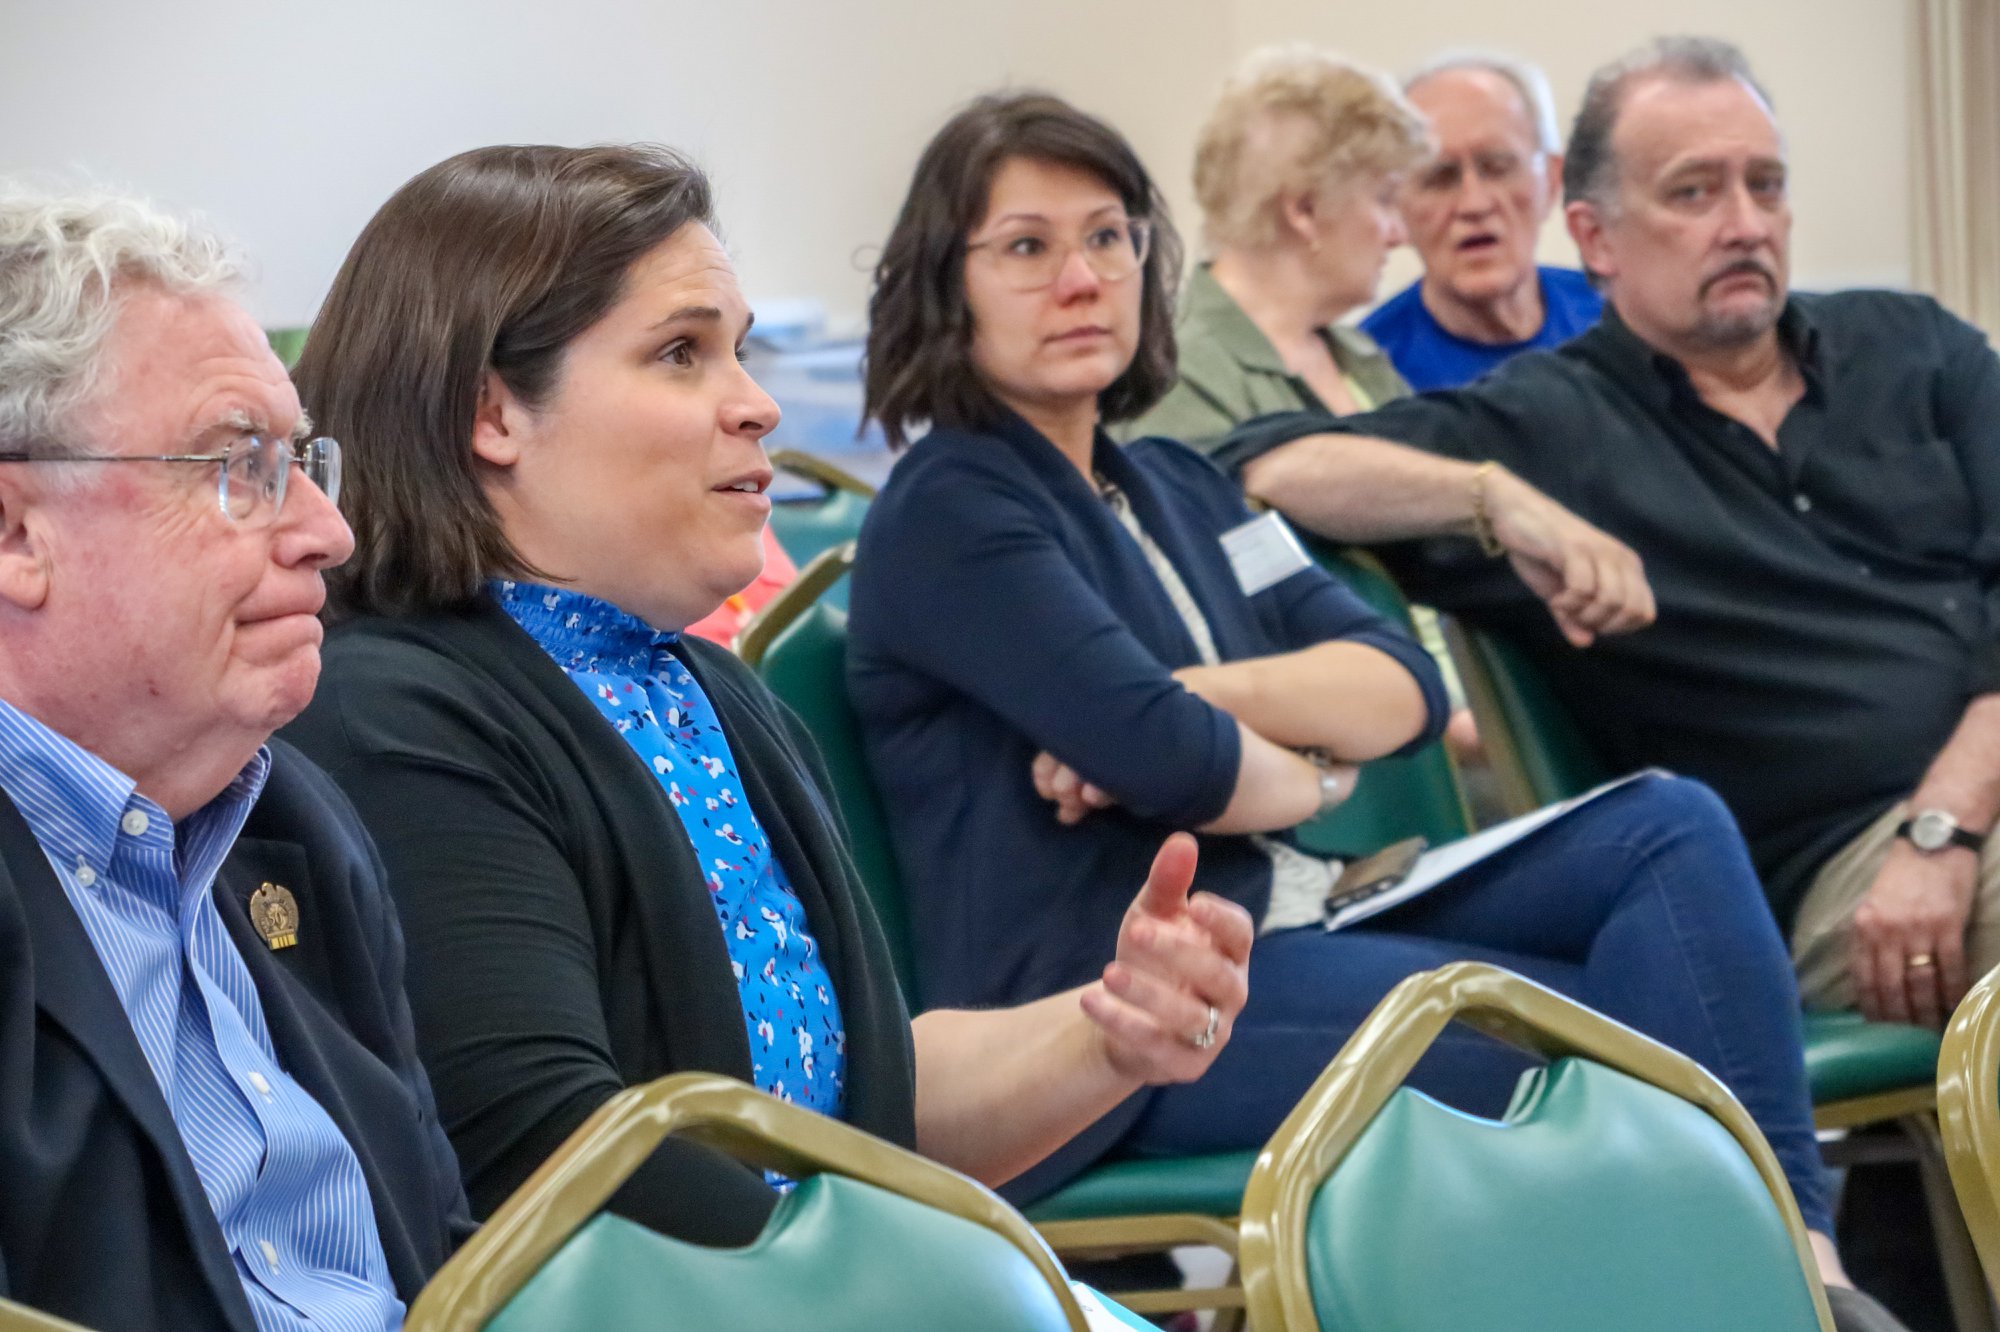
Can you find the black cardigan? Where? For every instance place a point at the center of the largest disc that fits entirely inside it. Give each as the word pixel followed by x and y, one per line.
pixel 562 941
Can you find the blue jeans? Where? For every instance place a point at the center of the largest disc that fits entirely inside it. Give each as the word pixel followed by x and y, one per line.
pixel 1642 905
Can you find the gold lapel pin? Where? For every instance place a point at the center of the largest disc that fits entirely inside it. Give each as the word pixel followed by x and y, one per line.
pixel 274 912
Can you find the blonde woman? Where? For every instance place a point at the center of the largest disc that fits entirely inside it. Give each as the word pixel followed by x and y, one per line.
pixel 1297 172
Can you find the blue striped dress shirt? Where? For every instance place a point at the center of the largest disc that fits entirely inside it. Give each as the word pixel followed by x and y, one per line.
pixel 285 1185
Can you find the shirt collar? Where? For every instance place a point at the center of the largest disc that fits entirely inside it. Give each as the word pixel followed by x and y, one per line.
pixel 582 632
pixel 1207 306
pixel 1638 363
pixel 74 801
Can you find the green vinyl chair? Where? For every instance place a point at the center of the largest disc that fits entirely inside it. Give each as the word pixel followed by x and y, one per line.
pixel 1969 1116
pixel 1410 795
pixel 806 527
pixel 20 1318
pixel 287 343
pixel 872 1237
pixel 1624 1188
pixel 1861 1073
pixel 798 644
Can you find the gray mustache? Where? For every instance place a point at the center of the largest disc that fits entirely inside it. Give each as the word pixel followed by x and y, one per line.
pixel 1741 266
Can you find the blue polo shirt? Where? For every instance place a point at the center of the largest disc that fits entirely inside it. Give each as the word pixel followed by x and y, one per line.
pixel 1430 357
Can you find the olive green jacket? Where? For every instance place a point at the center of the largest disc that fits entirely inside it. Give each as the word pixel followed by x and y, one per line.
pixel 1230 373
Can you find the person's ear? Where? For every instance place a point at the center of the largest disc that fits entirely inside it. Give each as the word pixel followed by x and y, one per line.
pixel 1299 215
pixel 1552 182
pixel 1586 227
pixel 501 423
pixel 25 565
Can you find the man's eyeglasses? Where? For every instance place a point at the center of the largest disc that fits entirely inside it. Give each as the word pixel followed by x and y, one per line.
pixel 1029 260
pixel 252 475
pixel 1447 174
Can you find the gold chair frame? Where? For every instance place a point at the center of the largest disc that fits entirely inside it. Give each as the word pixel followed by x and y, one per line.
pixel 571 1186
pixel 815 468
pixel 20 1318
pixel 1327 1121
pixel 825 569
pixel 1969 1115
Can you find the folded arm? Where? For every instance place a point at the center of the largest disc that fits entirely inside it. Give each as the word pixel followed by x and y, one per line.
pixel 1361 489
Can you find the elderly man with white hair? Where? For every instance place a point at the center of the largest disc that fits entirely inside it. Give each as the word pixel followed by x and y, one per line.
pixel 211 1110
pixel 1474 212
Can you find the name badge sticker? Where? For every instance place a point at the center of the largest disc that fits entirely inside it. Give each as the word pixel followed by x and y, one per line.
pixel 1263 553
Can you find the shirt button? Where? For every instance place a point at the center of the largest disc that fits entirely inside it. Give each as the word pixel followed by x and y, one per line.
pixel 1803 503
pixel 1951 603
pixel 85 875
pixel 261 1083
pixel 270 1253
pixel 135 822
pixel 1864 570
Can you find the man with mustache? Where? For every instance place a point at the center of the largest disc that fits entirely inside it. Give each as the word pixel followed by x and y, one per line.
pixel 1474 212
pixel 1808 485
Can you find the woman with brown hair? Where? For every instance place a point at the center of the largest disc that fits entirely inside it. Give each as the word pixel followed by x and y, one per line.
pixel 1057 660
pixel 612 849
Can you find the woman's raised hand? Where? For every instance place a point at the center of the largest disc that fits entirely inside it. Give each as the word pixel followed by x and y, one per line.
pixel 1167 1004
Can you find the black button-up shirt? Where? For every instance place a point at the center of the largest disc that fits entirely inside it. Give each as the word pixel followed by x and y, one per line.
pixel 1827 608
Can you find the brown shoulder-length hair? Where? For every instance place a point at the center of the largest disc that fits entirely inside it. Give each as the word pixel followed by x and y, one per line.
pixel 496 259
pixel 919 366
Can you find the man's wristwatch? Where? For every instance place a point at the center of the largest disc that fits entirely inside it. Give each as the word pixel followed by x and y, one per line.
pixel 1932 830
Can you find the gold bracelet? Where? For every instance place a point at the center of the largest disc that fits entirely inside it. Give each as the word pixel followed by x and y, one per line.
pixel 1482 521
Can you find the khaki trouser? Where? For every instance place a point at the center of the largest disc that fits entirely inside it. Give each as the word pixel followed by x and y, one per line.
pixel 1825 921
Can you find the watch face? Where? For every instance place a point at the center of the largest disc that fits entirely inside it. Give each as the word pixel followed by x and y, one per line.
pixel 1932 830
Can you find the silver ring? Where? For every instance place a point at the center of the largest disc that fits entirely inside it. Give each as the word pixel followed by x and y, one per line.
pixel 1206 1037
pixel 1919 961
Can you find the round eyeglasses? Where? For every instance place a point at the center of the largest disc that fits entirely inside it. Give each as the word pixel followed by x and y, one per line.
pixel 1029 258
pixel 252 473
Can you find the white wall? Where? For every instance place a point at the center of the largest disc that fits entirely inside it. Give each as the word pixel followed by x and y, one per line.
pixel 289 123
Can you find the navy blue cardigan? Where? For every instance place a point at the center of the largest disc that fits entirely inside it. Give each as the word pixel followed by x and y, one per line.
pixel 999 609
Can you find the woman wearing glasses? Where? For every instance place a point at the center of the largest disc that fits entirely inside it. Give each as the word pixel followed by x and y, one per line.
pixel 1056 662
pixel 613 851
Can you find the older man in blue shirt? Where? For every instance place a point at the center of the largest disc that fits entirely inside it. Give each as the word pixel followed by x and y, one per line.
pixel 1475 212
pixel 211 1112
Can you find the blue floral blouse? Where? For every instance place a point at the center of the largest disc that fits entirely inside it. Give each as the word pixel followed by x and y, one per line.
pixel 798 1048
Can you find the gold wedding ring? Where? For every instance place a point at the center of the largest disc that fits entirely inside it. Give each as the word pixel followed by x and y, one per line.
pixel 1918 961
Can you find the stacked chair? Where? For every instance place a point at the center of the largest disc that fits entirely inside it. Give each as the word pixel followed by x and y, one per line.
pixel 1862 1074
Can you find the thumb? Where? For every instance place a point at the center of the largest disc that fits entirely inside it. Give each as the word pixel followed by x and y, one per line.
pixel 1166 891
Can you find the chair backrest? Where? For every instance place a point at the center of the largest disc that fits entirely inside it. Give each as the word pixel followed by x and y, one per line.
pixel 1414 795
pixel 806 527
pixel 873 1236
pixel 1624 1188
pixel 1968 1110
pixel 799 646
pixel 287 343
pixel 1539 754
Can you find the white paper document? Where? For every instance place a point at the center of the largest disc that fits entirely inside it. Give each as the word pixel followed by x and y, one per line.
pixel 1436 866
pixel 1101 1315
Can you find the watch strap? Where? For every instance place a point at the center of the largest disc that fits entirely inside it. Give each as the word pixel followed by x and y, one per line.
pixel 1964 837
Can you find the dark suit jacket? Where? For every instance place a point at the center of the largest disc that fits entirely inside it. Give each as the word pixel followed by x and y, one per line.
pixel 102 1216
